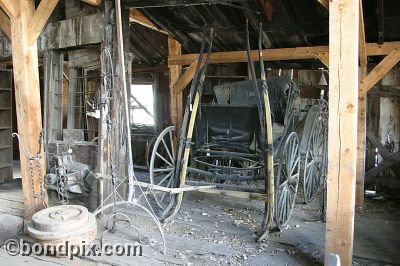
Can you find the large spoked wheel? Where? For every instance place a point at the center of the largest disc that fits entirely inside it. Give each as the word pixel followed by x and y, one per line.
pixel 162 166
pixel 287 180
pixel 314 164
pixel 324 178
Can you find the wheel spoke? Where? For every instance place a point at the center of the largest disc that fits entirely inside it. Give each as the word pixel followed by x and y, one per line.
pixel 162 158
pixel 165 178
pixel 168 152
pixel 283 184
pixel 161 170
pixel 172 144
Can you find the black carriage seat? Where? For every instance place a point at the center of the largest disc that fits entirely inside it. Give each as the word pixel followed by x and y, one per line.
pixel 233 120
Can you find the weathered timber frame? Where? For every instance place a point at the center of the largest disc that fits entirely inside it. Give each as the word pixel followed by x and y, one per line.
pixel 26 23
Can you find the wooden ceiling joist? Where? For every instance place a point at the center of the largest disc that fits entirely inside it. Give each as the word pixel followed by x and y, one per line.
pixel 298 53
pixel 241 56
pixel 380 70
pixel 8 7
pixel 5 24
pixel 40 18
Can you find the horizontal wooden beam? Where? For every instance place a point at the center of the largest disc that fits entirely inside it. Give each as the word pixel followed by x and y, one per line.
pixel 241 56
pixel 8 7
pixel 5 24
pixel 137 16
pixel 149 69
pixel 380 70
pixel 92 2
pixel 298 53
pixel 42 14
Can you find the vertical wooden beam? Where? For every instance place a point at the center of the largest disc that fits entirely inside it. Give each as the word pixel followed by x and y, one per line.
pixel 342 136
pixel 27 98
pixel 175 104
pixel 362 114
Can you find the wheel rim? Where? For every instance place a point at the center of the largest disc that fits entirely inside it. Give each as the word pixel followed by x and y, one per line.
pixel 162 166
pixel 313 161
pixel 287 180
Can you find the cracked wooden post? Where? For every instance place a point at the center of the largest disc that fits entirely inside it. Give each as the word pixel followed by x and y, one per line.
pixel 175 104
pixel 342 134
pixel 26 25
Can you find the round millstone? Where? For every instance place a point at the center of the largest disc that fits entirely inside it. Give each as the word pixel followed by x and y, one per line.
pixel 60 223
pixel 58 218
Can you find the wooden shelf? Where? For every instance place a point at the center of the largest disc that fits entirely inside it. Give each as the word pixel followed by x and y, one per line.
pixel 5 108
pixel 2 128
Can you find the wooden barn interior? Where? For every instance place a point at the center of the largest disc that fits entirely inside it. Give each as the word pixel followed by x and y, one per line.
pixel 199 132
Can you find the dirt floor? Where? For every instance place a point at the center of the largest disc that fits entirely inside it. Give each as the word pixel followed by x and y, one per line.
pixel 218 230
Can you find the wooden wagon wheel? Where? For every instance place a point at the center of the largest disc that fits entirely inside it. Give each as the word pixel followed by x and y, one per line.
pixel 287 180
pixel 313 150
pixel 162 166
pixel 149 150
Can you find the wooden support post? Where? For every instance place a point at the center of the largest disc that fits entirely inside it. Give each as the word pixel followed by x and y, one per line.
pixel 342 136
pixel 175 104
pixel 362 114
pixel 27 98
